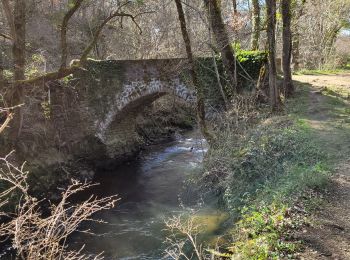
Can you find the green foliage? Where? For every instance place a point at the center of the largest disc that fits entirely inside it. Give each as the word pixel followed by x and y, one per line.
pixel 262 233
pixel 276 153
pixel 207 77
pixel 262 173
pixel 249 64
pixel 8 74
pixel 45 105
pixel 36 62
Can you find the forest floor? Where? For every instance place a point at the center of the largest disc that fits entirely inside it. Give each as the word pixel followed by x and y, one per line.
pixel 326 110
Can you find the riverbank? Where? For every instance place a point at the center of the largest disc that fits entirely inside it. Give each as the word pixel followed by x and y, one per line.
pixel 273 174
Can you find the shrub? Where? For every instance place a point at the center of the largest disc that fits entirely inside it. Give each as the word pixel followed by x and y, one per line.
pixel 38 232
pixel 259 174
pixel 269 161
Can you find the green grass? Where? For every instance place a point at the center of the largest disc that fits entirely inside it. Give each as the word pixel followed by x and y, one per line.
pixel 265 171
pixel 262 234
pixel 322 71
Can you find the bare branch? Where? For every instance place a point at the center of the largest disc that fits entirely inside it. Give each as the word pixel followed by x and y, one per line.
pixel 7 37
pixel 6 123
pixel 50 76
pixel 64 28
pixel 38 236
pixel 9 17
pixel 65 71
pixel 100 28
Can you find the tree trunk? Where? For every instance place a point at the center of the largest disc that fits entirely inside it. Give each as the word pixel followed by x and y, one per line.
pixel 296 37
pixel 18 52
pixel 217 74
pixel 296 51
pixel 222 40
pixel 199 89
pixel 2 79
pixel 287 48
pixel 9 17
pixel 255 25
pixel 234 3
pixel 64 28
pixel 271 37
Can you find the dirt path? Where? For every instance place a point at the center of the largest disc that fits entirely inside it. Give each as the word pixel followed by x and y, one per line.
pixel 328 114
pixel 342 80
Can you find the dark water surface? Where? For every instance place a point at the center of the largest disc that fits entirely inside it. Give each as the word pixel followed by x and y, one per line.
pixel 151 189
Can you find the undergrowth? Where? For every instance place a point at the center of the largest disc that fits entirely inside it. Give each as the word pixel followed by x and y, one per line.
pixel 259 175
pixel 269 171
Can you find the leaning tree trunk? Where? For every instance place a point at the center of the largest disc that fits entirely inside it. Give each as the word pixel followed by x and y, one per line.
pixel 18 52
pixel 271 31
pixel 287 48
pixel 222 40
pixel 255 25
pixel 199 89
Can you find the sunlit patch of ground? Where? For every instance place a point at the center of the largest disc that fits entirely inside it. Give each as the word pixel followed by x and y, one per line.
pixel 327 113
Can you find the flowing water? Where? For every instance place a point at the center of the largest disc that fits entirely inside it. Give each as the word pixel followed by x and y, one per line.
pixel 151 189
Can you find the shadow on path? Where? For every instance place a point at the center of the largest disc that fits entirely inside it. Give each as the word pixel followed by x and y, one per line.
pixel 326 110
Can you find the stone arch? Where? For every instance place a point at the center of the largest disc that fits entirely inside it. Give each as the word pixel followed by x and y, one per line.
pixel 118 125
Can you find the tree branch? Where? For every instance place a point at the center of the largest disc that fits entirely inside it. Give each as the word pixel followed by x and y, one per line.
pixel 9 17
pixel 6 123
pixel 65 71
pixel 64 28
pixel 61 73
pixel 97 33
pixel 7 37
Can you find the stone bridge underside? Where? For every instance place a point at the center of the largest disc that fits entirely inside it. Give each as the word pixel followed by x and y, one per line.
pixel 113 93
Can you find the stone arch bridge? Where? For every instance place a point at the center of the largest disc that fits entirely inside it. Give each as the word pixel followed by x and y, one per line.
pixel 107 98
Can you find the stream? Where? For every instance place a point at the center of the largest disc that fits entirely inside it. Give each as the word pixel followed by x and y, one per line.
pixel 150 189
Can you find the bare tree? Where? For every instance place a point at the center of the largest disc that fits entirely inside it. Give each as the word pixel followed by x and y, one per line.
pixel 222 40
pixel 195 80
pixel 287 48
pixel 17 24
pixel 271 35
pixel 9 17
pixel 255 25
pixel 234 4
pixel 64 28
pixel 2 77
pixel 298 13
